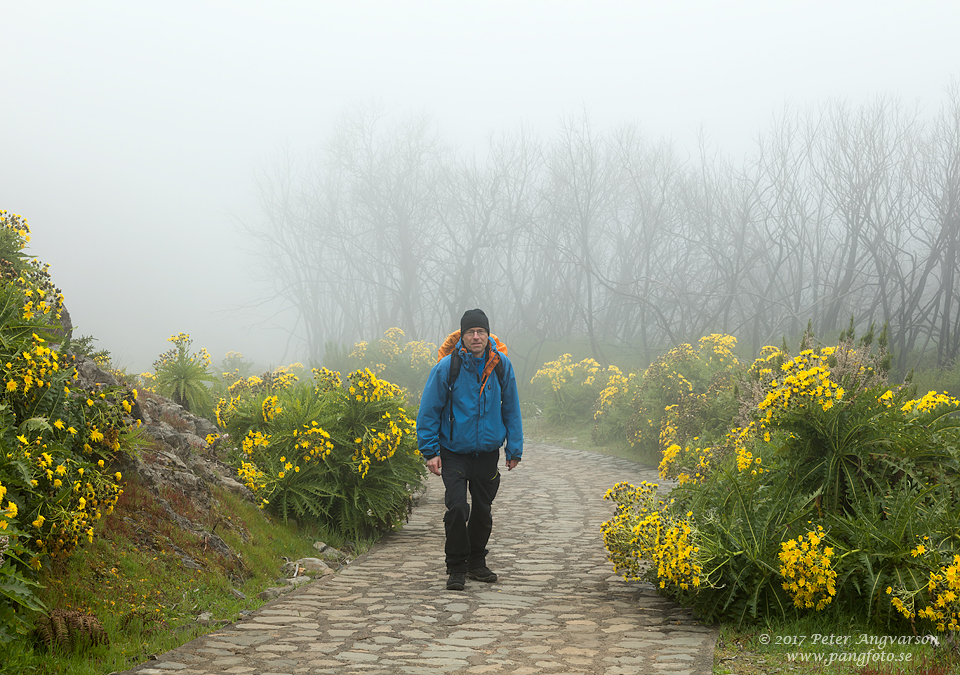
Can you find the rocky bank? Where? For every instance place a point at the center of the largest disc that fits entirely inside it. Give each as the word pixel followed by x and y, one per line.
pixel 178 460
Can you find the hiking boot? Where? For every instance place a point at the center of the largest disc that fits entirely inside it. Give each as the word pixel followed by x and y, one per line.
pixel 482 574
pixel 457 581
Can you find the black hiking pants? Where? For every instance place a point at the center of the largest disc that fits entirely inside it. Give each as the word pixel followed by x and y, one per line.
pixel 468 525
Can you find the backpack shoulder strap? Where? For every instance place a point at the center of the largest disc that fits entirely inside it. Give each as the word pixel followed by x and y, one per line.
pixel 452 374
pixel 455 362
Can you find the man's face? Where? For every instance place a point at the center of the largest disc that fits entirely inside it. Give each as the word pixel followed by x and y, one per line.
pixel 475 340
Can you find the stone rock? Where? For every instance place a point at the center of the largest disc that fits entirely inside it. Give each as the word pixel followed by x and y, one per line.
pixel 309 566
pixel 329 553
pixel 314 566
pixel 232 485
pixel 269 593
pixel 66 324
pixel 90 374
pixel 214 542
pixel 295 582
pixel 218 473
pixel 179 442
pixel 185 560
pixel 206 619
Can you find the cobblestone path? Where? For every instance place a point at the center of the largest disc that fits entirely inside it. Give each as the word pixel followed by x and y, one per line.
pixel 558 608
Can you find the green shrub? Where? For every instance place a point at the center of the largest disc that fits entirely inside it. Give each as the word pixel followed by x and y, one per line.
pixel 344 456
pixel 836 491
pixel 567 391
pixel 184 377
pixel 684 404
pixel 57 441
pixel 17 587
pixel 615 407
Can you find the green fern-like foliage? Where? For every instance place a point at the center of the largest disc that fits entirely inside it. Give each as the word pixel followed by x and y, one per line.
pixel 68 630
pixel 340 454
pixel 308 499
pixel 184 376
pixel 838 491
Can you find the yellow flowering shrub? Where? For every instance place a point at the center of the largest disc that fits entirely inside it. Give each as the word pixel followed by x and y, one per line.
pixel 645 540
pixel 58 438
pixel 938 600
pixel 930 401
pixel 805 565
pixel 944 590
pixel 341 453
pixel 819 436
pixel 326 380
pixel 684 463
pixel 684 405
pixel 615 407
pixel 263 389
pixel 185 377
pixel 617 385
pixel 568 390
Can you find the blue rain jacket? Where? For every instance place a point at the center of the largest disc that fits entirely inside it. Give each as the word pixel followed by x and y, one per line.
pixel 482 420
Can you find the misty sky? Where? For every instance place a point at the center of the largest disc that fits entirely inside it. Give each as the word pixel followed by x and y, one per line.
pixel 131 132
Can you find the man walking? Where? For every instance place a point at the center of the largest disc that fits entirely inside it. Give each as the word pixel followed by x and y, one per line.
pixel 469 410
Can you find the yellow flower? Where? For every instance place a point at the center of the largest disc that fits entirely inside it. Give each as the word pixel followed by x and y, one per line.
pixel 59 424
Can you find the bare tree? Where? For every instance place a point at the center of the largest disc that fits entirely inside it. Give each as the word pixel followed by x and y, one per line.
pixel 840 212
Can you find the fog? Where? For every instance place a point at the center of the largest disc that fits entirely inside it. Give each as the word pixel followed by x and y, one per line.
pixel 131 134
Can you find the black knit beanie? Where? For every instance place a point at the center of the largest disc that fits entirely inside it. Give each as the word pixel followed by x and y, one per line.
pixel 474 318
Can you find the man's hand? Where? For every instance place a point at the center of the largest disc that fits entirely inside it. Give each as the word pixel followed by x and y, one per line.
pixel 512 464
pixel 434 465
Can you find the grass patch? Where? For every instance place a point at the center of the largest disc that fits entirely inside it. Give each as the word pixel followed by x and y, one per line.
pixel 579 436
pixel 146 579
